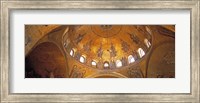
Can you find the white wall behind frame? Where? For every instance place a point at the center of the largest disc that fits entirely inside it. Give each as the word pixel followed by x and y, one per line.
pixel 180 84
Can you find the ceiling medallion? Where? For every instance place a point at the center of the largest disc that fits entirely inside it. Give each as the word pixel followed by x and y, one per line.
pixel 106 31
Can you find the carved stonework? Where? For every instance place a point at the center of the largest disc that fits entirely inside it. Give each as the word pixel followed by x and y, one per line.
pixel 169 57
pixel 135 72
pixel 77 72
pixel 125 46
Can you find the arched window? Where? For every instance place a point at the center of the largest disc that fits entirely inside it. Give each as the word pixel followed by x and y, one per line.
pixel 82 59
pixel 131 59
pixel 141 52
pixel 147 43
pixel 118 63
pixel 93 63
pixel 106 65
pixel 72 52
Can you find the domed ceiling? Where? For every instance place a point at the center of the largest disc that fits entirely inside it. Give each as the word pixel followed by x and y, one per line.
pixel 107 46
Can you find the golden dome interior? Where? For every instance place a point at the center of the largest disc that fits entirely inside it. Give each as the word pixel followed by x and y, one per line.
pixel 100 51
pixel 107 43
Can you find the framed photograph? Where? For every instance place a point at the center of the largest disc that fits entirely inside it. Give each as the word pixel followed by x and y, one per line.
pixel 100 51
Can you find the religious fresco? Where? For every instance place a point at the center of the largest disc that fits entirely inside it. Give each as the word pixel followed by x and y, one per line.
pixel 99 51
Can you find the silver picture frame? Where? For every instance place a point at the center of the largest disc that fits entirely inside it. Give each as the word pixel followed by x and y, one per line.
pixel 8 5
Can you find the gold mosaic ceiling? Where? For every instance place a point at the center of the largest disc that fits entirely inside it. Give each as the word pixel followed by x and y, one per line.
pixel 108 43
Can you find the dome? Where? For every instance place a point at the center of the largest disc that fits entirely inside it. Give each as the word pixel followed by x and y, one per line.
pixel 100 51
pixel 107 46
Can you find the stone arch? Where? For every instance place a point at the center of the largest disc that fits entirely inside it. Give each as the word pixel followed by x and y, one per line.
pixel 107 75
pixel 44 61
pixel 161 63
